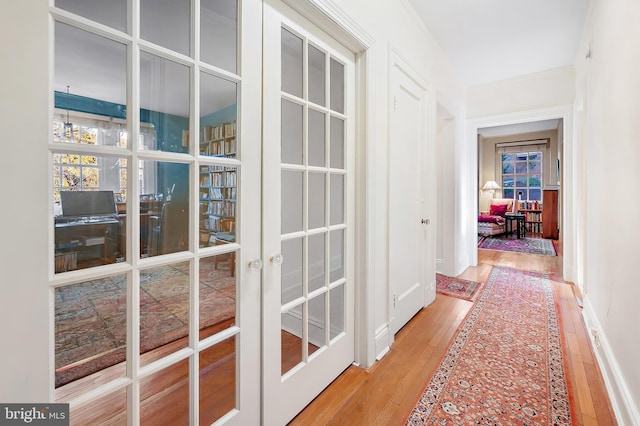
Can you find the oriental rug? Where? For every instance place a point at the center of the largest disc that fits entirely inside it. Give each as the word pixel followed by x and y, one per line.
pixel 505 364
pixel 521 245
pixel 457 287
pixel 90 317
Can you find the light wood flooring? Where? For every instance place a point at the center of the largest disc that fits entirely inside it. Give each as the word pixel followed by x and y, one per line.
pixel 384 394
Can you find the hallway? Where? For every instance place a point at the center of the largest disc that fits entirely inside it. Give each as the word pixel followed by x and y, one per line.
pixel 384 394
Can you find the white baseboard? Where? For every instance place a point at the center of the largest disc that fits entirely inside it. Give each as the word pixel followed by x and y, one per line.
pixel 382 341
pixel 624 407
pixel 430 293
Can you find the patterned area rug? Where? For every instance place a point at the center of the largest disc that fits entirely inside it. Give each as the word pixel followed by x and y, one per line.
pixel 522 245
pixel 505 365
pixel 90 317
pixel 457 287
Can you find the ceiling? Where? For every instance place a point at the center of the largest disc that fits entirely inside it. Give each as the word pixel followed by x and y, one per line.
pixel 492 40
pixel 520 128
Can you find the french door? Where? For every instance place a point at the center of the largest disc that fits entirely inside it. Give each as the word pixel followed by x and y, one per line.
pixel 155 183
pixel 308 190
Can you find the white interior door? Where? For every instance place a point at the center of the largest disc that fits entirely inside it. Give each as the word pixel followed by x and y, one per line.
pixel 408 224
pixel 308 163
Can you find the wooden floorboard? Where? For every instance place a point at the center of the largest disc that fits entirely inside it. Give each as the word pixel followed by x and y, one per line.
pixel 384 394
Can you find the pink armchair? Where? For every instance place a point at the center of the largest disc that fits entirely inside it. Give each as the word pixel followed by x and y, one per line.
pixel 493 221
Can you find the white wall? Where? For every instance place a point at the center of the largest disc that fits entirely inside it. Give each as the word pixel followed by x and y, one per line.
pixel 608 88
pixel 24 105
pixel 525 93
pixel 393 25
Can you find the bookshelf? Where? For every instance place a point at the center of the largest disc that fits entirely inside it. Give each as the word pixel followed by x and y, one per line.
pixel 219 141
pixel 218 184
pixel 532 211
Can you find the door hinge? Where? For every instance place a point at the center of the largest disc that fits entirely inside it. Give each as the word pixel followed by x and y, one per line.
pixel 395 102
pixel 394 300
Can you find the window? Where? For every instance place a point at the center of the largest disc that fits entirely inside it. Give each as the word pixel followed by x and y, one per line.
pixel 522 175
pixel 75 172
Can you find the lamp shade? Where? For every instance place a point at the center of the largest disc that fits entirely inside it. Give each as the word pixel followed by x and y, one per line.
pixel 491 184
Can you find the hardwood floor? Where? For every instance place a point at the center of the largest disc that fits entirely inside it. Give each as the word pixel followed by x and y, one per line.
pixel 384 394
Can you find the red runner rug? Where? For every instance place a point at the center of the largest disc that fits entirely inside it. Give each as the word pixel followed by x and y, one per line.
pixel 457 287
pixel 505 365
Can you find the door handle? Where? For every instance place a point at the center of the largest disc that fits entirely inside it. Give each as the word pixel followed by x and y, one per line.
pixel 255 264
pixel 425 221
pixel 277 259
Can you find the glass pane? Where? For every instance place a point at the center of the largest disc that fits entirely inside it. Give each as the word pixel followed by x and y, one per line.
pixel 317 321
pixel 337 86
pixel 337 143
pixel 535 156
pixel 164 103
pixel 217 381
pixel 164 311
pixel 218 33
pixel 521 156
pixel 521 167
pixel 90 90
pixel 167 220
pixel 316 76
pixel 217 293
pixel 154 403
pixel 112 13
pixel 337 199
pixel 336 255
pixel 507 181
pixel 90 330
pixel 535 181
pixel 316 267
pixel 521 181
pixel 291 339
pixel 218 114
pixel 535 167
pixel 113 410
pixel 292 65
pixel 535 195
pixel 316 138
pixel 292 127
pixel 218 196
pixel 336 314
pixel 88 229
pixel 508 167
pixel 317 197
pixel 292 184
pixel 507 193
pixel 167 23
pixel 508 158
pixel 292 267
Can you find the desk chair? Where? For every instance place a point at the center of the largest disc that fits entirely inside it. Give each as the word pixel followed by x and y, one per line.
pixel 169 232
pixel 226 236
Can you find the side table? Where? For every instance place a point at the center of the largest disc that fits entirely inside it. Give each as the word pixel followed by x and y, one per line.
pixel 519 218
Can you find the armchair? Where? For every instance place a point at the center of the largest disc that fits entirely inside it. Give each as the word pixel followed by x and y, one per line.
pixel 493 221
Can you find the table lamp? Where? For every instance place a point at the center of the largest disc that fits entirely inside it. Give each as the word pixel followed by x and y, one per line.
pixel 491 185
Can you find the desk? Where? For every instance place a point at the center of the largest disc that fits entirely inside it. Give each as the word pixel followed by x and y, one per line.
pixel 77 237
pixel 519 218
